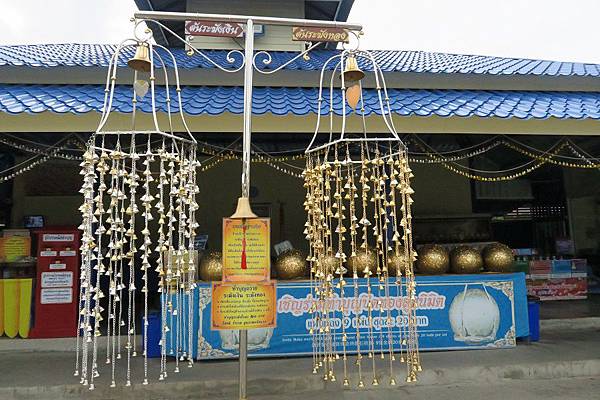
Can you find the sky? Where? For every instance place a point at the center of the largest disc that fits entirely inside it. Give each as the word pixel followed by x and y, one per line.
pixel 540 29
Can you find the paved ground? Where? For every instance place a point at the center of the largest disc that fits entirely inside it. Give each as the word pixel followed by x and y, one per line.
pixel 544 389
pixel 559 309
pixel 29 372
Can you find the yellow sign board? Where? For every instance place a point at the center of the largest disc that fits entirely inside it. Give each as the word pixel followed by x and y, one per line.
pixel 243 305
pixel 246 250
pixel 13 248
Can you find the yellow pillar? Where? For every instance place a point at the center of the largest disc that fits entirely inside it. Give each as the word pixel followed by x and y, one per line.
pixel 1 306
pixel 24 306
pixel 11 307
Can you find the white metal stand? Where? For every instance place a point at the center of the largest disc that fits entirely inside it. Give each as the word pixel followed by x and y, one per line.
pixel 249 67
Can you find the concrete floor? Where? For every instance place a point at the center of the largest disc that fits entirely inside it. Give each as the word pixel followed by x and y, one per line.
pixel 544 389
pixel 30 372
pixel 559 309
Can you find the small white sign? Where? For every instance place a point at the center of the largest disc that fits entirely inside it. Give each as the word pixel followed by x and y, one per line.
pixel 56 296
pixel 48 253
pixel 58 237
pixel 67 253
pixel 57 279
pixel 57 266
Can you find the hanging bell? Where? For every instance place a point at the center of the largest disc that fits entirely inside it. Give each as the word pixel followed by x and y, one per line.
pixel 141 59
pixel 351 72
pixel 243 209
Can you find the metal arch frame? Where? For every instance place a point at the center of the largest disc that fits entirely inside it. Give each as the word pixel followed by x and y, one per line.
pixel 111 78
pixel 383 104
pixel 249 64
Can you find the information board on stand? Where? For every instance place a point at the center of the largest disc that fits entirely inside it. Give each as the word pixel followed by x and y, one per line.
pixel 246 298
pixel 246 250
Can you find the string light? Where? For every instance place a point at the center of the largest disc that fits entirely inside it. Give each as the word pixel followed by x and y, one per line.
pixel 39 151
pixel 280 163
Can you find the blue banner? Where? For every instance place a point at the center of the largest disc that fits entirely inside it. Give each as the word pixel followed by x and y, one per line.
pixel 455 312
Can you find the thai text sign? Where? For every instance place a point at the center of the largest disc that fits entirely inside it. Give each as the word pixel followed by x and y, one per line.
pixel 243 306
pixel 246 250
pixel 214 28
pixel 453 312
pixel 558 288
pixel 314 34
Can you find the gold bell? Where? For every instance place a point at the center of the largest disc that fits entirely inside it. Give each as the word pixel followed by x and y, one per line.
pixel 243 209
pixel 351 72
pixel 141 59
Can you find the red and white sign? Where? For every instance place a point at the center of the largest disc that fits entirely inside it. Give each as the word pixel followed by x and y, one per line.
pixel 57 279
pixel 56 296
pixel 557 288
pixel 213 28
pixel 57 275
pixel 58 237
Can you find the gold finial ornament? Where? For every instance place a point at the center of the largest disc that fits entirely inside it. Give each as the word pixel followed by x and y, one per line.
pixel 141 59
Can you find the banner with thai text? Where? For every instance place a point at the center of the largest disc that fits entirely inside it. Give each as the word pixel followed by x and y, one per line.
pixel 455 312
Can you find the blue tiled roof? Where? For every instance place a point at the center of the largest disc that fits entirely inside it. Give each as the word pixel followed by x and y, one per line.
pixel 17 99
pixel 52 55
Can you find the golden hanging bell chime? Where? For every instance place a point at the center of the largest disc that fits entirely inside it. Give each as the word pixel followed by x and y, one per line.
pixel 352 73
pixel 141 59
pixel 243 209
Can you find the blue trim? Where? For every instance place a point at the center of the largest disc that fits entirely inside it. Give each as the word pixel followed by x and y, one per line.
pixel 77 99
pixel 97 55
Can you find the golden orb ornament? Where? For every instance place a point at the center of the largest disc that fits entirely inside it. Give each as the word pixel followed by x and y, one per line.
pixel 396 262
pixel 328 263
pixel 211 266
pixel 364 261
pixel 498 257
pixel 433 260
pixel 465 260
pixel 291 264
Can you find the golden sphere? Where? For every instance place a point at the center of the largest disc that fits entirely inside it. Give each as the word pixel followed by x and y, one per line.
pixel 363 260
pixel 465 260
pixel 396 262
pixel 211 266
pixel 328 263
pixel 291 264
pixel 433 260
pixel 498 257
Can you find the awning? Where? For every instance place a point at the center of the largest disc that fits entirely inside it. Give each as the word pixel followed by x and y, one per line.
pixel 80 99
pixel 98 55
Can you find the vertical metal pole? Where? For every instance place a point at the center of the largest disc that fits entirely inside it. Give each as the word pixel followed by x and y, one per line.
pixel 247 137
pixel 248 69
pixel 243 362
